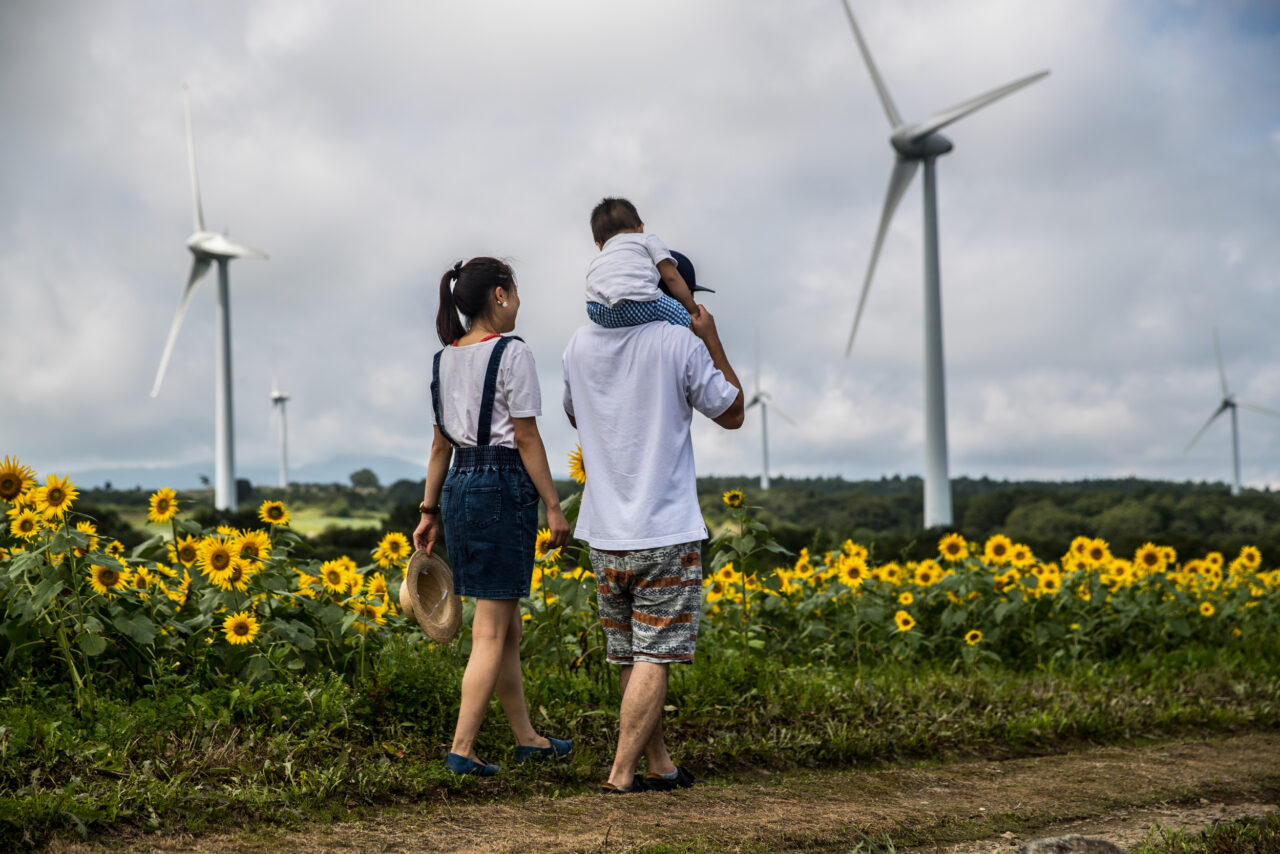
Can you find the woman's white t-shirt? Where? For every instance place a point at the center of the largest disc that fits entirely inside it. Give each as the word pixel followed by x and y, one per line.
pixel 516 393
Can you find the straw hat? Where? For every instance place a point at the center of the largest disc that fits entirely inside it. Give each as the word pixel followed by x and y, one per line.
pixel 426 594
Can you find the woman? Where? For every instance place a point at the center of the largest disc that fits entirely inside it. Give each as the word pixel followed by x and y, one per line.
pixel 485 398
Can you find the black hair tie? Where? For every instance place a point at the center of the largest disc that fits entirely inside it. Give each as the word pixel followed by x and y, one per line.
pixel 457 269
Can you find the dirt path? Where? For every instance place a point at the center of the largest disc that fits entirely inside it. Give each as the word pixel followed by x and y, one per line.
pixel 971 807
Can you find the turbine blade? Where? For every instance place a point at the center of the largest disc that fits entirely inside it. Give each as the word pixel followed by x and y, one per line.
pixel 1221 409
pixel 899 180
pixel 1222 373
pixel 890 110
pixel 196 210
pixel 784 416
pixel 1273 413
pixel 199 266
pixel 940 120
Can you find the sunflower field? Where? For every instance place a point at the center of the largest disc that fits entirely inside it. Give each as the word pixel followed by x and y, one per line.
pixel 208 606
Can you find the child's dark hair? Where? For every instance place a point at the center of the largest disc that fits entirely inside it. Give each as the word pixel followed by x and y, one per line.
pixel 612 216
pixel 472 283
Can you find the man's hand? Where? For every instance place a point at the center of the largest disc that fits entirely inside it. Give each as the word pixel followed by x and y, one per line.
pixel 703 325
pixel 427 532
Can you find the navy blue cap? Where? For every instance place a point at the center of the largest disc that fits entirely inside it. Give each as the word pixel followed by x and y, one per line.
pixel 685 266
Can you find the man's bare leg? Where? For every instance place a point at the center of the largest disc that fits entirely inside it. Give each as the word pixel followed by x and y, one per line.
pixel 643 695
pixel 655 749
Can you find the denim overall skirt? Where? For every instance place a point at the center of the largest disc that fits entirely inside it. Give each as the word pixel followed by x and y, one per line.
pixel 489 504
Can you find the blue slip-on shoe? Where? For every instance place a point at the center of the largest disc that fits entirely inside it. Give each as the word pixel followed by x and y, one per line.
pixel 559 747
pixel 462 765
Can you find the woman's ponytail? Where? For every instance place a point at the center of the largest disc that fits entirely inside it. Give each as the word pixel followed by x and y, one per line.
pixel 465 290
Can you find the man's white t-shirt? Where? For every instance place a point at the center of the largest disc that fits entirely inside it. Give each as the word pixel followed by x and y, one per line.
pixel 627 268
pixel 516 392
pixel 632 391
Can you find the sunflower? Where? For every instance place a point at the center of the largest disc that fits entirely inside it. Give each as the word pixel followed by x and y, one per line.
pixel 215 555
pixel 1170 555
pixel 164 506
pixel 274 513
pixel 852 573
pixel 733 498
pixel 240 628
pixel 906 598
pixel 254 545
pixel 333 575
pixel 26 524
pixel 185 551
pixel 56 496
pixel 108 579
pixel 973 637
pixel 378 586
pixel 996 551
pixel 235 577
pixel 374 614
pixel 91 543
pixel 392 551
pixel 308 585
pixel 142 582
pixel 927 572
pixel 577 471
pixel 115 548
pixel 542 546
pixel 1098 552
pixel 953 547
pixel 1150 558
pixel 1250 557
pixel 1206 609
pixel 179 594
pixel 905 621
pixel 1214 558
pixel 15 478
pixel 1021 556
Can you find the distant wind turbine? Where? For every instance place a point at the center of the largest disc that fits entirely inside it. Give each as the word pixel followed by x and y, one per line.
pixel 1229 403
pixel 278 401
pixel 913 145
pixel 206 248
pixel 765 401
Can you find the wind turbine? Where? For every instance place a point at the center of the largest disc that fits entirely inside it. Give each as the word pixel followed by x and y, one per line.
pixel 913 145
pixel 278 400
pixel 765 400
pixel 1229 403
pixel 206 248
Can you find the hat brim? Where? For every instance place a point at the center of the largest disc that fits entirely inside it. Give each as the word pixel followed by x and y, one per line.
pixel 427 594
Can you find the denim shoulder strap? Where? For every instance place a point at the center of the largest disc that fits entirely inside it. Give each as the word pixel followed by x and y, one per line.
pixel 435 398
pixel 490 388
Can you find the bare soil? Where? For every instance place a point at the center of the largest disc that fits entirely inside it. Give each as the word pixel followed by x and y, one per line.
pixel 969 807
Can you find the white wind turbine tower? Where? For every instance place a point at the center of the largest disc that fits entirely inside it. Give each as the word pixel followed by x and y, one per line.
pixel 278 401
pixel 765 400
pixel 913 145
pixel 206 248
pixel 1229 403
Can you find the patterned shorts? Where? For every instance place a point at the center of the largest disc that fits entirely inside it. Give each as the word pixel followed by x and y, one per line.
pixel 629 313
pixel 650 601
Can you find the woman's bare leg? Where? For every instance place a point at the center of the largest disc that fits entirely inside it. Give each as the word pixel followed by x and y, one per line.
pixel 511 688
pixel 489 631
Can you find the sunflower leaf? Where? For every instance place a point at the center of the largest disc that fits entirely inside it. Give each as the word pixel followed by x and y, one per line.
pixel 145 549
pixel 137 628
pixel 91 644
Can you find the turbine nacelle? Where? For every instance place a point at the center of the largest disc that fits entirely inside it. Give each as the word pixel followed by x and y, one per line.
pixel 215 246
pixel 912 147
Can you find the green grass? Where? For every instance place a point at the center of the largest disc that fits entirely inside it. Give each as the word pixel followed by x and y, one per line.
pixel 164 757
pixel 1247 836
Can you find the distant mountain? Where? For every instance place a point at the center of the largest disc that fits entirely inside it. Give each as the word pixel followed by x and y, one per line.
pixel 335 470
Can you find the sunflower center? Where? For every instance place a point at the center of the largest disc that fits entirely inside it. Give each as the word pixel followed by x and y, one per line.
pixel 219 560
pixel 248 550
pixel 274 513
pixel 240 629
pixel 110 578
pixel 187 554
pixel 54 497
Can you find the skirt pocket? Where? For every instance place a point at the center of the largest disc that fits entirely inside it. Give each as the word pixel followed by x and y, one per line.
pixel 483 505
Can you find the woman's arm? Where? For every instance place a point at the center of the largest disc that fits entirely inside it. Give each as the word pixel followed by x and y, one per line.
pixel 428 530
pixel 534 456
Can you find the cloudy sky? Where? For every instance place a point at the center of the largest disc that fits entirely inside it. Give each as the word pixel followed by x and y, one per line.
pixel 1095 227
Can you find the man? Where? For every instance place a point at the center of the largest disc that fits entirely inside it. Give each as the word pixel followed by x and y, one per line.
pixel 631 393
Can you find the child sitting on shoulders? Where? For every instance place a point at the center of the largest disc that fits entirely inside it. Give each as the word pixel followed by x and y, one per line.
pixel 625 282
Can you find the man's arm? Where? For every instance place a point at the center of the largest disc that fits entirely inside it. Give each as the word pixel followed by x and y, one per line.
pixel 704 326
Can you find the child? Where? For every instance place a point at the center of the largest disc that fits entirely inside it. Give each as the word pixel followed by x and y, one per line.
pixel 627 280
